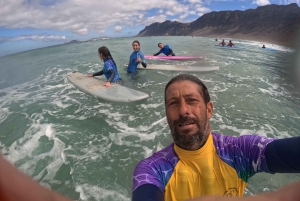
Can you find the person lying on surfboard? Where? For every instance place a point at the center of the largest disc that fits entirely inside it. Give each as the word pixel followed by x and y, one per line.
pixel 166 49
pixel 136 58
pixel 230 44
pixel 110 67
pixel 222 43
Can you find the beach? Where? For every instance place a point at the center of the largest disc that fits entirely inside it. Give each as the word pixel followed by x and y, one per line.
pixel 263 37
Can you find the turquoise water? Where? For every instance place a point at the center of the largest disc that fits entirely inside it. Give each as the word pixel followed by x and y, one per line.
pixel 86 148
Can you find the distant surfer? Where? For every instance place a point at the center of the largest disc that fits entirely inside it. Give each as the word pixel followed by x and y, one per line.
pixel 216 39
pixel 109 68
pixel 230 44
pixel 166 49
pixel 263 46
pixel 136 58
pixel 222 43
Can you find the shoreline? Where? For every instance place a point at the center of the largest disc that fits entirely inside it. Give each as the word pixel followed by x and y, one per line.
pixel 262 40
pixel 272 39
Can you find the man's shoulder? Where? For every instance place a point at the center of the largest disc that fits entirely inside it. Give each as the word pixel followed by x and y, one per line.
pixel 221 140
pixel 166 154
pixel 219 136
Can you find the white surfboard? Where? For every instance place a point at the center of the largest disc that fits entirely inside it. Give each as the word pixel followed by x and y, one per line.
pixel 95 86
pixel 179 68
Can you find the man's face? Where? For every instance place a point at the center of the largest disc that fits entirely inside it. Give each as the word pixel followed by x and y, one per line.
pixel 188 115
pixel 161 46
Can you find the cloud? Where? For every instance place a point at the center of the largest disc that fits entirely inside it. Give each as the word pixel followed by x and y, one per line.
pixel 261 2
pixel 80 16
pixel 83 31
pixel 118 29
pixel 44 38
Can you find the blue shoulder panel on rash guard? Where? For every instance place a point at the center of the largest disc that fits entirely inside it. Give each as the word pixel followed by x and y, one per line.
pixel 148 192
pixel 283 155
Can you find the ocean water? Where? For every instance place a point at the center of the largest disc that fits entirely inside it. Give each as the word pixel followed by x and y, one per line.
pixel 86 148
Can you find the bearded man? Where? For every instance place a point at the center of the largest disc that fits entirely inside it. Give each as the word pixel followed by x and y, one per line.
pixel 200 162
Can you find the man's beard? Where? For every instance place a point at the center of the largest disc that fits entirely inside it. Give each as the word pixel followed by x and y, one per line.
pixel 191 141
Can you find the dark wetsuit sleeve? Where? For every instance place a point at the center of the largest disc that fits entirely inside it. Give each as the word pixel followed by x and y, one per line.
pixel 112 75
pixel 147 192
pixel 156 53
pixel 283 155
pixel 171 52
pixel 144 64
pixel 98 73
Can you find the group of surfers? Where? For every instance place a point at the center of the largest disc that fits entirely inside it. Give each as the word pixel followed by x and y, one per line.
pixel 230 44
pixel 137 57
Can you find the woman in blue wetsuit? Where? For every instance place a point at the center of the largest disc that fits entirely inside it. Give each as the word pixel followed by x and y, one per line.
pixel 136 58
pixel 110 67
pixel 166 49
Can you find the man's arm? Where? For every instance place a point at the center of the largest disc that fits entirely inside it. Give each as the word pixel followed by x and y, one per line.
pixel 15 186
pixel 283 155
pixel 147 192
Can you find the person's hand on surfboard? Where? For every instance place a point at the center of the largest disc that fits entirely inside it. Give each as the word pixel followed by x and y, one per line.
pixel 89 75
pixel 107 84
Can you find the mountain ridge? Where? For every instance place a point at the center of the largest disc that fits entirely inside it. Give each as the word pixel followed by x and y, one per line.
pixel 271 23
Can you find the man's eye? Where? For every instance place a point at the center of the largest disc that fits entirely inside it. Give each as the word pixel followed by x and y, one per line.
pixel 172 103
pixel 192 100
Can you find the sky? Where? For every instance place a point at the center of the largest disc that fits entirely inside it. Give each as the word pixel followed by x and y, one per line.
pixel 32 24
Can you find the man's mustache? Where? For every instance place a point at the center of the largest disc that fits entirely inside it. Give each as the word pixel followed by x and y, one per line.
pixel 184 120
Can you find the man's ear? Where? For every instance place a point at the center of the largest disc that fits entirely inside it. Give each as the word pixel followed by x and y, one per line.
pixel 209 109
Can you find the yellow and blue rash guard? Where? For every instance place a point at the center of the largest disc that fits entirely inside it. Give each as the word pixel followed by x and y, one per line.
pixel 221 167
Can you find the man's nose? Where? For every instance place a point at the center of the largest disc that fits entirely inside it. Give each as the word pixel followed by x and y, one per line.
pixel 184 108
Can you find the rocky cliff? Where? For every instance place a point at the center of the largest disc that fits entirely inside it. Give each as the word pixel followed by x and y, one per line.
pixel 265 23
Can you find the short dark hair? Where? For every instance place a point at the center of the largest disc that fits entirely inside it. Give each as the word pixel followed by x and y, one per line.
pixel 182 77
pixel 158 44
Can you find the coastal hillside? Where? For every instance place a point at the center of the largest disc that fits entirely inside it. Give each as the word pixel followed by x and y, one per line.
pixel 271 23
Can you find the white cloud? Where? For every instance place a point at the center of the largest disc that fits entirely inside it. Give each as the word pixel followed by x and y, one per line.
pixel 34 37
pixel 261 2
pixel 118 29
pixel 80 16
pixel 83 31
pixel 202 9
